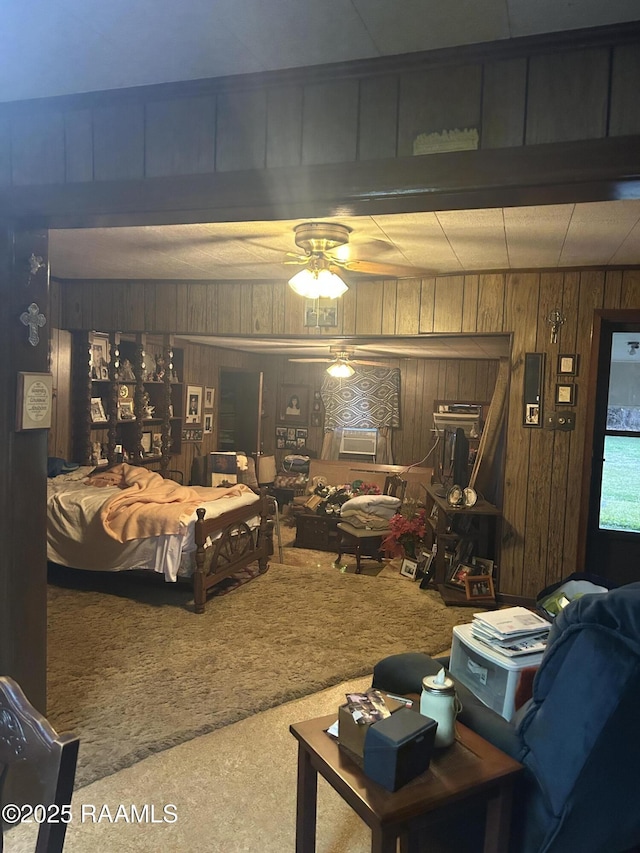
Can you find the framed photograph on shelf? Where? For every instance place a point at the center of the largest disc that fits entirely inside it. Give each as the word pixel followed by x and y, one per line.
pixel 459 572
pixel 568 364
pixel 427 569
pixel 482 566
pixel 99 355
pixel 479 587
pixel 125 410
pixel 194 404
pixel 147 443
pixel 409 568
pixel 209 397
pixel 293 405
pixel 565 394
pixel 97 410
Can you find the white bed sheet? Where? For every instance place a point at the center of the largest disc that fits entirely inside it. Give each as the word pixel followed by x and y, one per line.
pixel 75 536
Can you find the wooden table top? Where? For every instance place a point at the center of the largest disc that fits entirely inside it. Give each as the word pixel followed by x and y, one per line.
pixel 469 766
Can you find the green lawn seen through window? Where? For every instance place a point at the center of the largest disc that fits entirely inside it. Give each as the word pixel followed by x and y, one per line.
pixel 619 501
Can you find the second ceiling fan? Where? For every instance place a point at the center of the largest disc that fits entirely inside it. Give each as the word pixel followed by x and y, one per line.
pixel 341 360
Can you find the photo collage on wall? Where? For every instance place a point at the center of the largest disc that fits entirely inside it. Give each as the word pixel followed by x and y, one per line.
pixel 291 438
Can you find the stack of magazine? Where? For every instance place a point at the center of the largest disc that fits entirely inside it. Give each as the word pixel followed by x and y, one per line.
pixel 512 631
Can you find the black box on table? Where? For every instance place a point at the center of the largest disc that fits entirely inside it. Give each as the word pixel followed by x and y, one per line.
pixel 398 748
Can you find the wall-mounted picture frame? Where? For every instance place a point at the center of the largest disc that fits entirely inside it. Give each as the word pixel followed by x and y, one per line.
pixel 568 364
pixel 301 437
pixel 479 587
pixel 192 434
pixel 293 404
pixel 193 406
pixel 208 423
pixel 209 397
pixel 565 394
pixel 34 401
pixel 532 391
pixel 281 437
pixel 409 568
pixel 97 410
pixel 320 312
pixel 100 355
pixel 316 419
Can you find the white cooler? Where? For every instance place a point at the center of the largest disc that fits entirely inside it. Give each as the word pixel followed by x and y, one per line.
pixel 492 677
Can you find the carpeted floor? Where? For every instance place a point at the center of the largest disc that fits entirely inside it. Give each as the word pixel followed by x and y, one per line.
pixel 133 671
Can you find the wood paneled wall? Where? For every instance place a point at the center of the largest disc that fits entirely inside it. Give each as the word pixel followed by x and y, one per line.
pixel 542 468
pixel 514 93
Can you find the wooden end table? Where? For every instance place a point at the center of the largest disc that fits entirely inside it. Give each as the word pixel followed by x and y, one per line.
pixel 470 768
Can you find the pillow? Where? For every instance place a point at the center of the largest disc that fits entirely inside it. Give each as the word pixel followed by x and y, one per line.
pixel 247 475
pixel 366 502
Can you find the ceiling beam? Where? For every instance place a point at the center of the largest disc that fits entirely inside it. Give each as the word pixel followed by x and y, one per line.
pixel 593 170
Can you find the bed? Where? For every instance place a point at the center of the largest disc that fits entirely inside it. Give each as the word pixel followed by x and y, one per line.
pixel 127 518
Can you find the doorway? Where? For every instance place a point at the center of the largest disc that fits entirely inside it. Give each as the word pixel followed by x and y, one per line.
pixel 612 541
pixel 240 411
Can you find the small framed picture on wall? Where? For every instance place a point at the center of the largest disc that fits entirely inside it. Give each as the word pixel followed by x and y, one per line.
pixel 194 404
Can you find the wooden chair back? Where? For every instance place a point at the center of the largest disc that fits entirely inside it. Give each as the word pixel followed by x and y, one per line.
pixel 37 766
pixel 395 486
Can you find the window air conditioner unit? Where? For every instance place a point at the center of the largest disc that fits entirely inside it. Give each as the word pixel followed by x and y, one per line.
pixel 359 442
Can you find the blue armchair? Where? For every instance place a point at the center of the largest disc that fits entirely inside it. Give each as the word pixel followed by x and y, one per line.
pixel 577 736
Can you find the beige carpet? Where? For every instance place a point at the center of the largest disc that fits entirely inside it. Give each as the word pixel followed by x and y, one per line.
pixel 133 671
pixel 118 654
pixel 234 792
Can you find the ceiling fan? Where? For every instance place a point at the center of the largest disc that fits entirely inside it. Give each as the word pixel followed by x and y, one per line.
pixel 341 361
pixel 325 246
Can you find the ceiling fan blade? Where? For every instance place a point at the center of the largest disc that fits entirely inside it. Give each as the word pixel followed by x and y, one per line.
pixel 387 270
pixel 311 360
pixel 369 363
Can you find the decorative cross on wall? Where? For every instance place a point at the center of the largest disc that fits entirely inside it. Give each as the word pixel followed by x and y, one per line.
pixel 34 320
pixel 556 319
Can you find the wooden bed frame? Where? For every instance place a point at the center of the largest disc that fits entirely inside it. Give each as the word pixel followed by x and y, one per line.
pixel 236 547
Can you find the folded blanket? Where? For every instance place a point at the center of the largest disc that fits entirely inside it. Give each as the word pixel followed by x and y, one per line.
pixel 364 520
pixel 148 505
pixel 384 506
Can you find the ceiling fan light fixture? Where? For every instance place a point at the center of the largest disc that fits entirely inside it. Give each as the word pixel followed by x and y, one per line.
pixel 317 284
pixel 340 370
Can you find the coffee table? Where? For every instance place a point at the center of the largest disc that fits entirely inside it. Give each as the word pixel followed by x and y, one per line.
pixel 469 769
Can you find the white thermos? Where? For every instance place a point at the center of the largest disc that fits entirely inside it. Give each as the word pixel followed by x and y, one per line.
pixel 440 702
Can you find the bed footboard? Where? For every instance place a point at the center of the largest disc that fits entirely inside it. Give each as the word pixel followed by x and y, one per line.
pixel 234 546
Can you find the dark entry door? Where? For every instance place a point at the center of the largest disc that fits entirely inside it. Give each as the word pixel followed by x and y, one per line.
pixel 240 411
pixel 613 523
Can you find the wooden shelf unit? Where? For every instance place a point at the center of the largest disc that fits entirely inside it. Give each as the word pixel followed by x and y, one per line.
pixel 131 393
pixel 482 520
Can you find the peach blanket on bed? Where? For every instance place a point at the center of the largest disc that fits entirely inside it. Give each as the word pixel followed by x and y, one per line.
pixel 149 505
